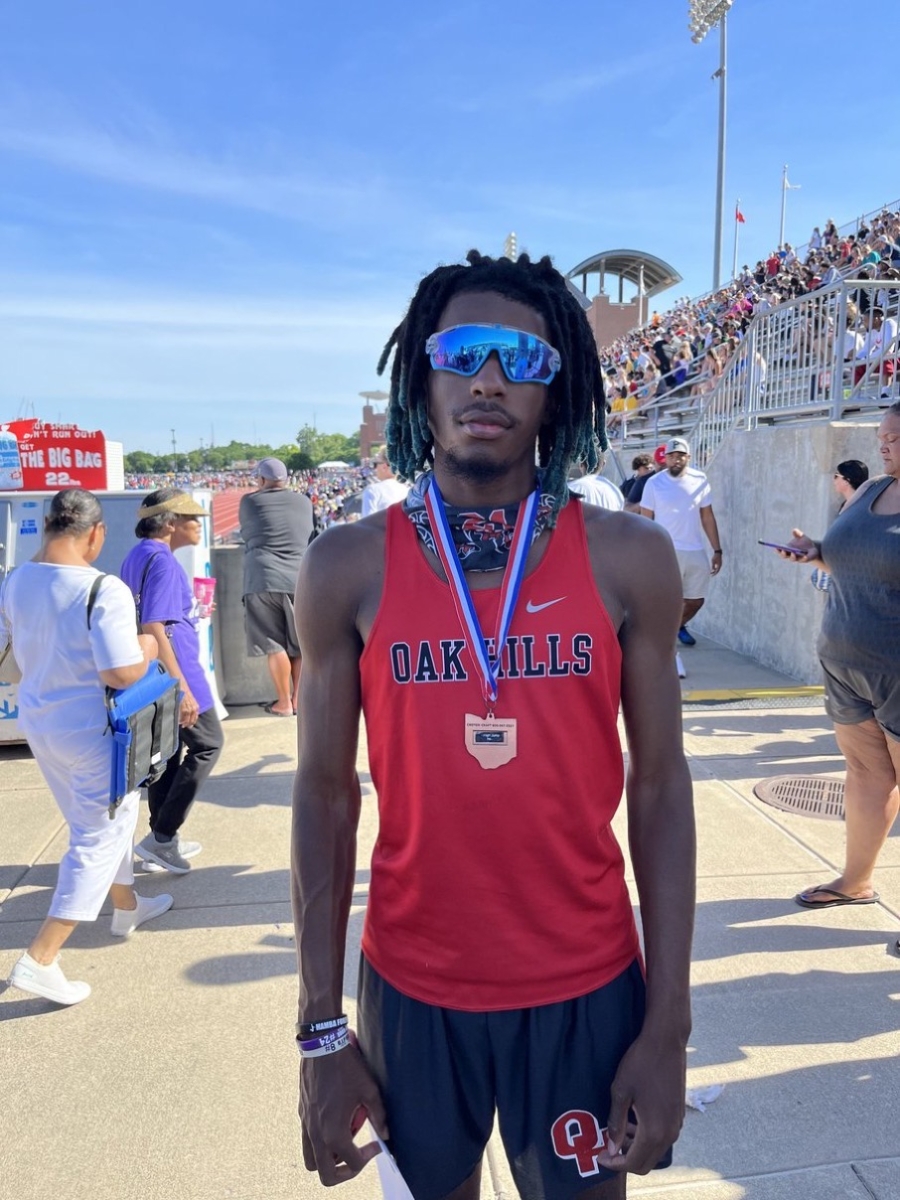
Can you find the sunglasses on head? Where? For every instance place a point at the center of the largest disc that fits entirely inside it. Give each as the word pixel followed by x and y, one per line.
pixel 464 349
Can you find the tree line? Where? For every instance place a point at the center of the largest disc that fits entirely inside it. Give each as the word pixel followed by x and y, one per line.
pixel 310 449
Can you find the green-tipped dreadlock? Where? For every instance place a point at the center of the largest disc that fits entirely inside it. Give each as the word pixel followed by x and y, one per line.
pixel 578 430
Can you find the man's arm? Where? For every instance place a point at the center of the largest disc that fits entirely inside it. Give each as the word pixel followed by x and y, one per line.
pixel 711 529
pixel 326 808
pixel 651 1076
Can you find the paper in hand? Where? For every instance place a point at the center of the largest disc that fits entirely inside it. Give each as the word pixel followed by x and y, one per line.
pixel 393 1185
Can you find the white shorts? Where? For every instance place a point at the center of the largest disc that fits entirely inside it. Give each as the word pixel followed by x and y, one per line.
pixel 100 850
pixel 694 566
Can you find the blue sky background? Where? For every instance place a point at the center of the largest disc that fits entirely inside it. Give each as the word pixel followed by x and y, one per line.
pixel 213 215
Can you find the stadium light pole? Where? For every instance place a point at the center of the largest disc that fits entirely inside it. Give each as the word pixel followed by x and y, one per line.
pixel 706 15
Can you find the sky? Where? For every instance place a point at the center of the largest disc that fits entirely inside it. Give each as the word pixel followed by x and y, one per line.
pixel 212 215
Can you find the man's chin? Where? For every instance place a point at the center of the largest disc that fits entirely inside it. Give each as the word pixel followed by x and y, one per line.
pixel 475 467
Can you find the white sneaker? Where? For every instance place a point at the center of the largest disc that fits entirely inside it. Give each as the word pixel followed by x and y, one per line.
pixel 185 849
pixel 126 920
pixel 679 666
pixel 49 982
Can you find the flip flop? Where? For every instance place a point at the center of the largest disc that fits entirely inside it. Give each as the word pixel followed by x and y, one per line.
pixel 839 898
pixel 270 709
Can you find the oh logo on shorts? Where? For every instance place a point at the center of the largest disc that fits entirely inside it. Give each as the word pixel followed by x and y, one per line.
pixel 577 1134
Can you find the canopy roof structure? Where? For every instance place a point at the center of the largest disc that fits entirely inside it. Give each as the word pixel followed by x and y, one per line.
pixel 649 274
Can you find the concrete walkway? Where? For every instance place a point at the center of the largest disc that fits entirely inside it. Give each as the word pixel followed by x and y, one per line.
pixel 177 1078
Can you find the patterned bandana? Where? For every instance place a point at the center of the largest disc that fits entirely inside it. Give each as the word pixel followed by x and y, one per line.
pixel 482 536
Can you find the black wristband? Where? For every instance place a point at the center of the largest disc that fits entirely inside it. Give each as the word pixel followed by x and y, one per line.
pixel 308 1029
pixel 717 551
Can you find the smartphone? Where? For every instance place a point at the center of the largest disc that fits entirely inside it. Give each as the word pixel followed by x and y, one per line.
pixel 778 546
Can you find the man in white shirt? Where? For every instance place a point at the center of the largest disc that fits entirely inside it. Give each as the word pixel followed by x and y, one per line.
pixel 874 354
pixel 597 490
pixel 385 489
pixel 680 499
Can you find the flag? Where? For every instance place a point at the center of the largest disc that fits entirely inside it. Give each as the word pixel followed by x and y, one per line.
pixel 739 216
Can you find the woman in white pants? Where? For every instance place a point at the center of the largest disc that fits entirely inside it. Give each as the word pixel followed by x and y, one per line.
pixel 65 668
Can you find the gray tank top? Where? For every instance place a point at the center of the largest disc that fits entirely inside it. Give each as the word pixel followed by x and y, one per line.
pixel 861 624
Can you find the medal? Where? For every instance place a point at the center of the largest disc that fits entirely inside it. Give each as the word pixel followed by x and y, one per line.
pixel 490 740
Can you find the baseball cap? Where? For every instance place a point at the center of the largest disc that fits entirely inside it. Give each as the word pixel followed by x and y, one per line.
pixel 272 468
pixel 677 446
pixel 180 506
pixel 659 456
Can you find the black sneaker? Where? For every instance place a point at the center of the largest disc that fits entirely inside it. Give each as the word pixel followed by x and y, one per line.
pixel 686 637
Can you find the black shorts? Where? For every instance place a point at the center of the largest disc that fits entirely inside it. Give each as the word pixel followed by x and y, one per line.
pixel 547 1071
pixel 269 624
pixel 852 697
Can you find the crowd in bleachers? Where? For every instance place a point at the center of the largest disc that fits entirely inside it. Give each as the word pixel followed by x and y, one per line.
pixel 333 492
pixel 681 353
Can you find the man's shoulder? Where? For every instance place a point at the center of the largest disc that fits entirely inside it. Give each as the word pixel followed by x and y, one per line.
pixel 351 548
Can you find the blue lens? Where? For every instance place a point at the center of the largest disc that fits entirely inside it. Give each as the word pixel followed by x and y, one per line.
pixel 464 349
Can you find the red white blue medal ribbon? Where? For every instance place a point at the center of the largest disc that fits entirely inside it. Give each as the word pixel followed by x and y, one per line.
pixel 488 668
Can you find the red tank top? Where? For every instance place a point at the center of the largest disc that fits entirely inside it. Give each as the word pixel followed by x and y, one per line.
pixel 504 888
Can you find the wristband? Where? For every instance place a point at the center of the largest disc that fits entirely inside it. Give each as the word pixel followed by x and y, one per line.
pixel 715 552
pixel 324 1039
pixel 319 1047
pixel 308 1029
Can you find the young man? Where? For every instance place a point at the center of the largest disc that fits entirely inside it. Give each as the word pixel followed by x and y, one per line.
pixel 167 520
pixel 501 966
pixel 679 498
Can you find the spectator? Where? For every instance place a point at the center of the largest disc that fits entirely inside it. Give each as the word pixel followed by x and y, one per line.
pixel 860 654
pixel 596 490
pixel 641 466
pixel 873 356
pixel 386 488
pixel 681 500
pixel 66 667
pixel 167 520
pixel 276 528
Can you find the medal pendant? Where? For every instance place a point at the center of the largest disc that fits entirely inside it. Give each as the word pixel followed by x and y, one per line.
pixel 491 740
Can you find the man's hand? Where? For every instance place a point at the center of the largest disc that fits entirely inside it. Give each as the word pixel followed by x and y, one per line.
pixel 651 1081
pixel 189 710
pixel 337 1093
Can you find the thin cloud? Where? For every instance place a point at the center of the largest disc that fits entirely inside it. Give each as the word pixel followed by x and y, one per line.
pixel 566 88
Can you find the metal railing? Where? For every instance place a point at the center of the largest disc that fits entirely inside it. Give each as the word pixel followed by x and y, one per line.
pixel 823 355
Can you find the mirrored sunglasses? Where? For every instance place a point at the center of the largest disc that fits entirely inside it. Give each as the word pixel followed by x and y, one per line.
pixel 464 349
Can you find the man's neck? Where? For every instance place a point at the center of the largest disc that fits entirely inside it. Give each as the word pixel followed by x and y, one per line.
pixel 510 488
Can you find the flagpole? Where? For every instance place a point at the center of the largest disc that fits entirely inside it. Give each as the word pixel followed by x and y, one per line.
pixel 737 209
pixel 783 204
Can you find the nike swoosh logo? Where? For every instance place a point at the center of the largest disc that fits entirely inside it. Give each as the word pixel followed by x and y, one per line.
pixel 533 608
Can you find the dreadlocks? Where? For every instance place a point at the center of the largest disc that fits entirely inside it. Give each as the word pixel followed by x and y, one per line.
pixel 578 430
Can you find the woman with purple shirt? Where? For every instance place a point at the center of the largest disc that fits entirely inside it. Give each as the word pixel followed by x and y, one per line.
pixel 168 520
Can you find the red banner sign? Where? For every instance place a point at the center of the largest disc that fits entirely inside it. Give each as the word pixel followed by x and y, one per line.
pixel 55 456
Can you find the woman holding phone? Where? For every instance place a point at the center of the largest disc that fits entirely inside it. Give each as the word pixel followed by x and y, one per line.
pixel 859 648
pixel 66 667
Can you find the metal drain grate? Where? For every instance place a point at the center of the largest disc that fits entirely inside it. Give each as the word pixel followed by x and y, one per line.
pixel 808 795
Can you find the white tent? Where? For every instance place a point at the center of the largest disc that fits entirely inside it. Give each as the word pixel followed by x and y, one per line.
pixel 334 465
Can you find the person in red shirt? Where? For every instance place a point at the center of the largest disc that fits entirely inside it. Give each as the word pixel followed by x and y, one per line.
pixel 488 628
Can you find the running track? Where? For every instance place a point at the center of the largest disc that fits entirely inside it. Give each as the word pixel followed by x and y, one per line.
pixel 225 514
